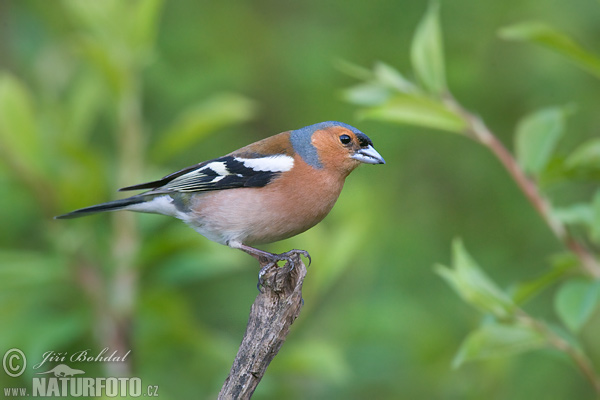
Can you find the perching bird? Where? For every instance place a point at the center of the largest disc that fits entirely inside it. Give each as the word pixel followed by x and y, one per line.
pixel 267 191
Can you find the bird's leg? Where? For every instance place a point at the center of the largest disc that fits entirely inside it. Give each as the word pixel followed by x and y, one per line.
pixel 264 257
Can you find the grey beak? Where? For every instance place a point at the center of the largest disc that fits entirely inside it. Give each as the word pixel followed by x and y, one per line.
pixel 368 155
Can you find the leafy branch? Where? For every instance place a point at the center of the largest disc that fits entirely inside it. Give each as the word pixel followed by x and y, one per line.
pixel 386 95
pixel 513 330
pixel 477 130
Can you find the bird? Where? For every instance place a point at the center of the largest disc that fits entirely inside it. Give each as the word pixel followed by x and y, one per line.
pixel 267 191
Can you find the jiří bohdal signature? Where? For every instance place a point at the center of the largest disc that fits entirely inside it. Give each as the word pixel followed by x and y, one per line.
pixel 82 356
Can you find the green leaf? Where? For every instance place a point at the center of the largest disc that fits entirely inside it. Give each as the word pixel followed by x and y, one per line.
pixel 145 15
pixel 498 340
pixel 476 288
pixel 575 214
pixel 587 156
pixel 391 78
pixel 543 35
pixel 427 53
pixel 586 215
pixel 575 302
pixel 366 94
pixel 537 135
pixel 354 70
pixel 413 109
pixel 526 290
pixel 201 119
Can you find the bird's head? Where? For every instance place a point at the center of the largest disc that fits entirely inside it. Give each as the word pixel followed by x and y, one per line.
pixel 335 145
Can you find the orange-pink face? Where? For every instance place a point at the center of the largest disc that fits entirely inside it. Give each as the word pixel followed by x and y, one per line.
pixel 344 149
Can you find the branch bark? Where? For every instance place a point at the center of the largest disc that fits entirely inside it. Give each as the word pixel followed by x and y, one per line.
pixel 275 309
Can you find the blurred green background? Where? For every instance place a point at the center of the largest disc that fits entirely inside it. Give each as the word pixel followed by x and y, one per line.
pixel 99 95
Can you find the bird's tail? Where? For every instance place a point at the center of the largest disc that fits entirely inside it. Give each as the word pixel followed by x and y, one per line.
pixel 109 206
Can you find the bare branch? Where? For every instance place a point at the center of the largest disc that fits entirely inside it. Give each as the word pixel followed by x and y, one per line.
pixel 273 312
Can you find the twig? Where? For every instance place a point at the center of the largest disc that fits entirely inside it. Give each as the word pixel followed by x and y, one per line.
pixel 271 315
pixel 580 359
pixel 478 131
pixel 122 284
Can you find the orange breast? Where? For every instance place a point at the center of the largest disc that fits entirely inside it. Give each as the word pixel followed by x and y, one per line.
pixel 293 203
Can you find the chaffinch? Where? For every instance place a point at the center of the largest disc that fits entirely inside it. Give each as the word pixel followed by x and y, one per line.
pixel 267 191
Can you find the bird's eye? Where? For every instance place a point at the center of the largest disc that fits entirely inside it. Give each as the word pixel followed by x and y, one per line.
pixel 345 139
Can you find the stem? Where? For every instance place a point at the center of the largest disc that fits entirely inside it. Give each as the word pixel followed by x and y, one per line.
pixel 478 131
pixel 123 285
pixel 580 360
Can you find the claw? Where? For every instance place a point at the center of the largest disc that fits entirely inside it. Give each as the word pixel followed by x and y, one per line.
pixel 308 256
pixel 287 256
pixel 262 273
pixel 259 284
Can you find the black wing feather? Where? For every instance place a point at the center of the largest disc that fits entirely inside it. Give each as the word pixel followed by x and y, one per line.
pixel 166 179
pixel 226 173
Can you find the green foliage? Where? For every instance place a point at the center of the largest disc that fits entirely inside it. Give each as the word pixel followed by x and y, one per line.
pixel 63 288
pixel 493 339
pixel 575 302
pixel 537 136
pixel 415 109
pixel 471 283
pixel 537 139
pixel 586 156
pixel 544 35
pixel 583 215
pixel 561 266
pixel 95 95
pixel 427 54
pixel 498 340
pixel 389 96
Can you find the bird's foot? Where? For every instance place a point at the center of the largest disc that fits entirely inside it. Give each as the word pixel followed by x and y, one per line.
pixel 289 256
pixel 269 261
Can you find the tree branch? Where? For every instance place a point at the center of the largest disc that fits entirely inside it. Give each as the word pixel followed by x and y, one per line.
pixel 477 130
pixel 275 309
pixel 577 356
